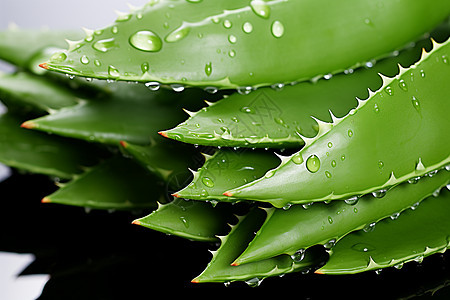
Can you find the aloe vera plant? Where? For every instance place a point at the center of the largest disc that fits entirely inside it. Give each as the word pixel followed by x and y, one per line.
pixel 319 147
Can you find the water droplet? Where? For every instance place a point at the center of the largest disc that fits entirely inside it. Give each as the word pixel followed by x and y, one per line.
pixel 269 173
pixel 277 29
pixel 104 45
pixel 146 41
pixel 398 266
pixel 307 205
pixel 328 76
pixel 333 163
pixel 232 53
pixel 414 180
pixel 122 17
pixel 113 72
pixel 154 86
pixel 422 73
pixel 313 164
pixel 416 104
pixel 244 90
pixel 330 220
pixel 232 39
pixel 402 85
pixel 445 59
pixel 330 244
pixel 355 210
pixel 247 27
pixel 330 144
pixel 177 87
pixel 178 34
pixel 369 227
pixel 376 108
pixel 363 247
pixel 368 22
pixel 352 201
pixel 281 122
pixel 343 157
pixel 298 256
pixel 379 193
pixel 185 222
pixel 254 282
pixel 277 86
pixel 58 57
pixel 114 29
pixel 395 216
pixel 97 63
pixel 227 24
pixel 389 91
pixel 145 67
pixel 380 164
pixel 208 69
pixel 247 110
pixel 419 259
pixel 350 133
pixel 208 182
pixel 211 89
pixel 84 60
pixel 260 8
pixel 287 206
pixel 297 158
pixel 328 174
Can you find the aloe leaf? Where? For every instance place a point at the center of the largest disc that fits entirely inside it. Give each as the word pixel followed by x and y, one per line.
pixel 219 268
pixel 413 236
pixel 227 169
pixel 26 48
pixel 117 183
pixel 168 161
pixel 40 153
pixel 289 231
pixel 212 43
pixel 27 92
pixel 278 117
pixel 353 155
pixel 194 220
pixel 129 113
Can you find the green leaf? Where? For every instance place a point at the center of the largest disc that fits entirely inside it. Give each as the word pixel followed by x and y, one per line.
pixel 198 221
pixel 287 231
pixel 220 269
pixel 26 48
pixel 37 152
pixel 130 113
pixel 226 169
pixel 212 43
pixel 396 134
pixel 278 117
pixel 117 183
pixel 27 92
pixel 413 236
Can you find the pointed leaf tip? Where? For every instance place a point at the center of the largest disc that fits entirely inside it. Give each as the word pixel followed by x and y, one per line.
pixel 28 125
pixel 163 133
pixel 44 66
pixel 176 195
pixel 123 144
pixel 136 222
pixel 46 200
pixel 228 194
pixel 195 280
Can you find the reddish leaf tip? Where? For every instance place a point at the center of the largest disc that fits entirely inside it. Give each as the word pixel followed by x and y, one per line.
pixel 235 264
pixel 176 195
pixel 195 280
pixel 164 134
pixel 228 194
pixel 136 222
pixel 46 200
pixel 123 144
pixel 44 66
pixel 28 125
pixel 318 272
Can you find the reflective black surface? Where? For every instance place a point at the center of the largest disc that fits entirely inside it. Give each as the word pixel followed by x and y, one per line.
pixel 101 255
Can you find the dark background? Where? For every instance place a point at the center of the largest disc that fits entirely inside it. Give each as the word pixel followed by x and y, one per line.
pixel 101 255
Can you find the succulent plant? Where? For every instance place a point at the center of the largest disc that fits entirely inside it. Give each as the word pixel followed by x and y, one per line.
pixel 317 130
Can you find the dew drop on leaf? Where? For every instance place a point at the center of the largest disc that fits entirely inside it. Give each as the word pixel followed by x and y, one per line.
pixel 260 8
pixel 363 247
pixel 277 29
pixel 113 72
pixel 104 45
pixel 416 104
pixel 402 85
pixel 58 57
pixel 208 69
pixel 313 164
pixel 247 27
pixel 84 60
pixel 146 41
pixel 208 182
pixel 297 159
pixel 178 34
